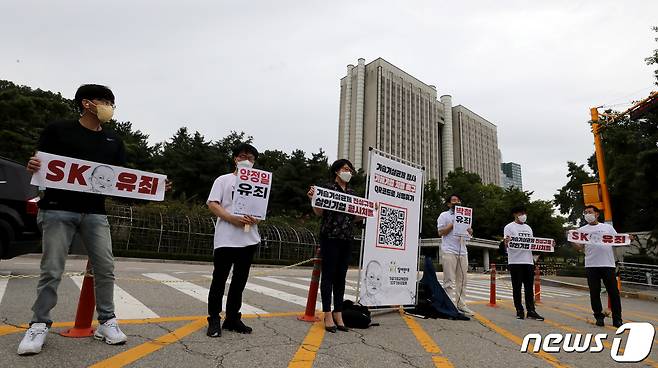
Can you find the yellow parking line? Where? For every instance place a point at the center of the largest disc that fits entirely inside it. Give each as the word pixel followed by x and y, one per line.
pixel 305 355
pixel 625 312
pixel 270 315
pixel 517 340
pixel 574 330
pixel 8 329
pixel 426 342
pixel 147 348
pixel 577 317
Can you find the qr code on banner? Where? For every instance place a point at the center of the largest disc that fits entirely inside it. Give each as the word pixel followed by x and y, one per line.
pixel 391 226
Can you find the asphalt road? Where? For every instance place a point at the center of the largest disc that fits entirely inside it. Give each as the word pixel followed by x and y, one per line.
pixel 162 308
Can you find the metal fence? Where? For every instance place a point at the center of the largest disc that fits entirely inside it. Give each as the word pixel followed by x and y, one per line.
pixel 142 231
pixel 639 274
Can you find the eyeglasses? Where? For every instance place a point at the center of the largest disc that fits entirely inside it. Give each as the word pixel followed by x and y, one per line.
pixel 104 102
pixel 245 156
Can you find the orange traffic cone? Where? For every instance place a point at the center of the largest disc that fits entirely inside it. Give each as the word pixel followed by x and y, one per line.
pixel 85 314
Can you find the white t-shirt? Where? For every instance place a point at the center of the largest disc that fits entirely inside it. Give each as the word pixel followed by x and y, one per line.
pixel 518 256
pixel 599 255
pixel 226 234
pixel 450 243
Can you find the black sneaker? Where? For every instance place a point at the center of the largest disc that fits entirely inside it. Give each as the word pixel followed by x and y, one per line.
pixel 535 316
pixel 236 325
pixel 617 323
pixel 599 321
pixel 214 327
pixel 520 314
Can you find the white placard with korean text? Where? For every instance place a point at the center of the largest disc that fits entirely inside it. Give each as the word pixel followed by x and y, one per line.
pixel 252 193
pixel 332 200
pixel 463 221
pixel 67 173
pixel 532 244
pixel 389 264
pixel 575 236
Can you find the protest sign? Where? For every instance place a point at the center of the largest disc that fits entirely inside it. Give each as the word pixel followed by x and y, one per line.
pixel 332 200
pixel 389 265
pixel 532 244
pixel 252 193
pixel 463 221
pixel 67 173
pixel 575 236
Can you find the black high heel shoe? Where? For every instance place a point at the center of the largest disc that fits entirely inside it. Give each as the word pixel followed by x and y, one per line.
pixel 331 329
pixel 340 327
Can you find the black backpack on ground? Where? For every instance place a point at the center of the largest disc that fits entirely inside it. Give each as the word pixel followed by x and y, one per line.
pixel 356 315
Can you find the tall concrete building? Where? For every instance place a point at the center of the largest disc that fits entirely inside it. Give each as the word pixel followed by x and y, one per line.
pixel 511 175
pixel 475 142
pixel 383 107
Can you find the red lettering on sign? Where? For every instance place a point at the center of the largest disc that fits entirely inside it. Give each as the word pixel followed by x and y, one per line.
pixel 584 237
pixel 126 181
pixel 148 185
pixel 56 173
pixel 75 174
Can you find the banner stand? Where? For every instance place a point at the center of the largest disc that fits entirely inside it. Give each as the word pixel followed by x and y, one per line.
pixel 391 308
pixel 363 234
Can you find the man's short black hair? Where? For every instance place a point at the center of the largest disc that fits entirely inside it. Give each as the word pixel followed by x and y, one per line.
pixel 448 198
pixel 246 148
pixel 518 209
pixel 338 164
pixel 92 92
pixel 596 209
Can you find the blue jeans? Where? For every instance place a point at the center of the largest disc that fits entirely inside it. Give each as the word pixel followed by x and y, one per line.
pixel 58 229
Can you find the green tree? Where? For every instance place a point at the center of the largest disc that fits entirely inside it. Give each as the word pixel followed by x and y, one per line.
pixel 569 199
pixel 653 59
pixel 139 153
pixel 189 162
pixel 24 112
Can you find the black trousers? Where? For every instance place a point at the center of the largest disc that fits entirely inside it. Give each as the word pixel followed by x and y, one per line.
pixel 523 274
pixel 224 258
pixel 335 255
pixel 594 277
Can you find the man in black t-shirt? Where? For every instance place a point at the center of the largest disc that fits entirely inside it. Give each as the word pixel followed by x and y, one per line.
pixel 63 214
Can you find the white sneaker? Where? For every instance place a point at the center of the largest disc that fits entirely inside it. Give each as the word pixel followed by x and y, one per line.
pixel 34 339
pixel 466 310
pixel 110 333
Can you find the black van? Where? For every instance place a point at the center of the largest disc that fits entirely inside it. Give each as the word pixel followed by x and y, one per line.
pixel 18 211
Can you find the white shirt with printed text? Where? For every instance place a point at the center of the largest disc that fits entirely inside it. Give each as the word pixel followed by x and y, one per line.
pixel 227 234
pixel 599 255
pixel 518 256
pixel 451 243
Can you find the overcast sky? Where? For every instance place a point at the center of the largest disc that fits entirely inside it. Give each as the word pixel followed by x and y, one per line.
pixel 273 68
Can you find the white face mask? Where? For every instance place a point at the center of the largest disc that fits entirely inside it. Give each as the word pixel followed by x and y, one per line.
pixel 345 176
pixel 590 217
pixel 523 218
pixel 245 164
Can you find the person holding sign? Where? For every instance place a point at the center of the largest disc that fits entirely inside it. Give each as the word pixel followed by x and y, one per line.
pixel 64 214
pixel 454 255
pixel 236 239
pixel 521 264
pixel 600 266
pixel 336 237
